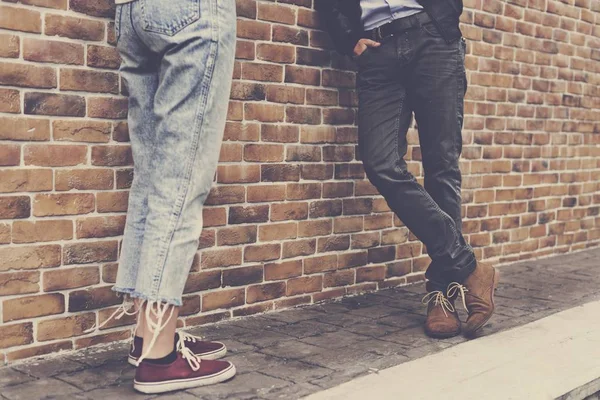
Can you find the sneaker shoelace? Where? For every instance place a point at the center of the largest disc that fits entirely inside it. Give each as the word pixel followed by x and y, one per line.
pixel 187 354
pixel 456 289
pixel 124 308
pixel 439 298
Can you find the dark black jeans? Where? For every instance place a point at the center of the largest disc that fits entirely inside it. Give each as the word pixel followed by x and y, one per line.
pixel 417 71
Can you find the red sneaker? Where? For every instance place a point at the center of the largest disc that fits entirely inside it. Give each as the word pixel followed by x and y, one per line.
pixel 203 350
pixel 186 372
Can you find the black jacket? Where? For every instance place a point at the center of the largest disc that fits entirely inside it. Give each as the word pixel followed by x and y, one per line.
pixel 342 20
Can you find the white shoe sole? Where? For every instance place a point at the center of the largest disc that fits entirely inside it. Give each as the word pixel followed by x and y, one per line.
pixel 179 384
pixel 209 356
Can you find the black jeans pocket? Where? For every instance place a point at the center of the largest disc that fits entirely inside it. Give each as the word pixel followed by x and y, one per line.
pixel 430 29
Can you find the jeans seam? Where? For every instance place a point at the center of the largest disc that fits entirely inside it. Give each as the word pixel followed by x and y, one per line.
pixel 180 201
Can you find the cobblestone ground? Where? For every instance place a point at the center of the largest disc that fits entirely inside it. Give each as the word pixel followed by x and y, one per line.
pixel 289 354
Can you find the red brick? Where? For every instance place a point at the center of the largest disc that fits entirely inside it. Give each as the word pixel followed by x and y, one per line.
pixel 24 282
pixel 51 51
pixel 103 57
pixel 54 104
pixel 60 328
pixel 299 248
pixel 236 235
pixel 221 258
pixel 281 231
pixel 42 231
pixel 223 299
pixel 36 351
pixel 304 284
pixel 267 291
pixel 74 28
pixel 107 107
pixel 314 265
pixel 112 202
pixel 24 129
pixel 90 299
pixel 276 13
pixel 33 306
pixel 9 46
pixel 290 35
pixel 61 279
pixel 242 276
pixel 263 252
pixel 283 270
pixel 27 75
pixel 81 131
pixel 13 207
pixel 11 101
pixel 20 19
pixel 89 81
pixel 16 335
pixel 98 8
pixel 314 228
pixel 289 211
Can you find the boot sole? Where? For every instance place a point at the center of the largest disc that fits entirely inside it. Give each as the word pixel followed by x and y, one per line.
pixel 218 354
pixel 179 384
pixel 486 320
pixel 442 335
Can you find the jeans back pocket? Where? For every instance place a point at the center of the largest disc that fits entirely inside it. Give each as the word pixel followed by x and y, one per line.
pixel 169 17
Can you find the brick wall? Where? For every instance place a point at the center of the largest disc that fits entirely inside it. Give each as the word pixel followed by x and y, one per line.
pixel 292 219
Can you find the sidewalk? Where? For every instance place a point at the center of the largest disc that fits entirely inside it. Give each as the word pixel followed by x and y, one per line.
pixel 290 354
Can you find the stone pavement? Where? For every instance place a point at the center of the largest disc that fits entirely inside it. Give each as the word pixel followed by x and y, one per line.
pixel 290 354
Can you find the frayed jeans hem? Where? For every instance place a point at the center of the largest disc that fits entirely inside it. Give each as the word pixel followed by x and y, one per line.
pixel 137 295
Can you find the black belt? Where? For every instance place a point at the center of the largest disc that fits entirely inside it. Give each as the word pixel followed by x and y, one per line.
pixel 398 26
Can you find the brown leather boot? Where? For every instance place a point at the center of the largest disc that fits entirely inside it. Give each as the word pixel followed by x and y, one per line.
pixel 478 295
pixel 442 318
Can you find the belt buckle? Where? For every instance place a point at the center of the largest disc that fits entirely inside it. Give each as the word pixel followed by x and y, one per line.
pixel 378 34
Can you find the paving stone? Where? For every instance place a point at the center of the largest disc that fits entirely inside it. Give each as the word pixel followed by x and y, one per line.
pixel 295 315
pixel 10 376
pixel 371 329
pixel 121 391
pixel 342 320
pixel 236 347
pixel 334 340
pixel 50 367
pixel 297 371
pixel 96 356
pixel 250 361
pixel 104 375
pixel 258 323
pixel 263 339
pixel 292 350
pixel 403 320
pixel 292 392
pixel 46 388
pixel 305 328
pixel 176 396
pixel 244 386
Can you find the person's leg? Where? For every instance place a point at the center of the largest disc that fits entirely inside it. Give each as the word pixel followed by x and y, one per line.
pixel 139 69
pixel 384 115
pixel 190 109
pixel 437 95
pixel 176 150
pixel 437 89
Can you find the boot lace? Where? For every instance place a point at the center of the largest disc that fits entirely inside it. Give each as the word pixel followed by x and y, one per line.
pixel 440 299
pixel 456 289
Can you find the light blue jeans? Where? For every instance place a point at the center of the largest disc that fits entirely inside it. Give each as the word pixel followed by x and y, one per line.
pixel 177 61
